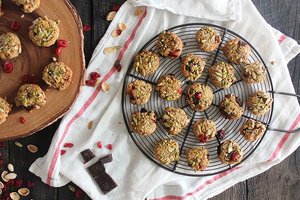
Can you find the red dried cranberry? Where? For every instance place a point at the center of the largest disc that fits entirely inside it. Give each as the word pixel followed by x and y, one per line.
pixel 58 50
pixel 179 91
pixel 99 144
pixel 11 182
pixel 69 145
pixel 62 152
pixel 87 28
pixel 235 156
pixel 173 54
pixel 95 75
pixel 119 31
pixel 1 154
pixel 30 79
pixel 203 138
pixel 8 67
pixel 116 7
pixel 62 43
pixel 109 146
pixel 78 193
pixel 15 26
pixel 1 163
pixel 4 188
pixel 91 83
pixel 29 184
pixel 198 95
pixel 1 144
pixel 118 66
pixel 19 183
pixel 221 134
pixel 22 120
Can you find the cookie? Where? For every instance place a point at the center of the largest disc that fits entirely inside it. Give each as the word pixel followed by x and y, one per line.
pixel 205 130
pixel 231 107
pixel 197 158
pixel 10 46
pixel 221 74
pixel 44 32
pixel 167 151
pixel 174 120
pixel 252 130
pixel 168 87
pixel 237 51
pixel 143 123
pixel 139 92
pixel 28 6
pixel 254 73
pixel 5 108
pixel 230 152
pixel 1 9
pixel 146 62
pixel 192 66
pixel 199 96
pixel 259 103
pixel 30 96
pixel 57 75
pixel 208 39
pixel 169 45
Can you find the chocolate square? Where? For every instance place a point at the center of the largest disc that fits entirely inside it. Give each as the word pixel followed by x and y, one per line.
pixel 96 168
pixel 102 178
pixel 87 155
pixel 106 159
pixel 108 186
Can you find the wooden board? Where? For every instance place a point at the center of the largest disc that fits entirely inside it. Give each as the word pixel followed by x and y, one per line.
pixel 33 59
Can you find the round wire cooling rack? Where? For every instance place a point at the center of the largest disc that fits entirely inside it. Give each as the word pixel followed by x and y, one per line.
pixel 186 138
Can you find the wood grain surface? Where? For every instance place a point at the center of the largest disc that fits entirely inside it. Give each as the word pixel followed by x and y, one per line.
pixel 282 182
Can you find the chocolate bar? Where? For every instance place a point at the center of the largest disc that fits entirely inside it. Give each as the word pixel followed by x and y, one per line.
pixel 87 155
pixel 96 168
pixel 106 159
pixel 108 186
pixel 102 178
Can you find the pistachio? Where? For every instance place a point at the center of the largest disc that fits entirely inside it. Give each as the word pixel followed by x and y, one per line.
pixel 10 167
pixel 110 16
pixel 14 196
pixel 4 173
pixel 23 192
pixel 32 148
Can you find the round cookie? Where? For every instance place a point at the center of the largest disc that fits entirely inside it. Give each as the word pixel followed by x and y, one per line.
pixel 231 107
pixel 28 6
pixel 259 103
pixel 197 158
pixel 205 130
pixel 143 123
pixel 254 73
pixel 44 32
pixel 237 51
pixel 146 62
pixel 5 108
pixel 222 75
pixel 139 92
pixel 192 66
pixel 10 46
pixel 30 96
pixel 174 120
pixel 230 152
pixel 167 151
pixel 169 45
pixel 252 130
pixel 168 87
pixel 208 39
pixel 199 96
pixel 57 75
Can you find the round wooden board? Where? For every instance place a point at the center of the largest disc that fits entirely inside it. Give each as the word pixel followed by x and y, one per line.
pixel 33 59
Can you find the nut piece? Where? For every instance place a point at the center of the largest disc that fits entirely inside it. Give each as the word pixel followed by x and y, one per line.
pixel 1 185
pixel 105 86
pixel 139 11
pixel 90 125
pixel 4 173
pixel 23 192
pixel 71 188
pixel 18 144
pixel 122 26
pixel 110 16
pixel 32 148
pixel 108 50
pixel 10 167
pixel 10 176
pixel 14 196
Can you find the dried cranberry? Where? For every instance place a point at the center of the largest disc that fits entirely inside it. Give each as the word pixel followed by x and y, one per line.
pixel 203 138
pixel 1 154
pixel 11 182
pixel 62 43
pixel 198 95
pixel 173 54
pixel 29 184
pixel 118 66
pixel 78 193
pixel 235 156
pixel 22 120
pixel 221 134
pixel 119 31
pixel 4 188
pixel 1 144
pixel 109 146
pixel 87 28
pixel 99 144
pixel 30 79
pixel 19 183
pixel 95 75
pixel 62 152
pixel 91 83
pixel 69 145
pixel 8 67
pixel 116 7
pixel 179 91
pixel 15 26
pixel 1 163
pixel 58 50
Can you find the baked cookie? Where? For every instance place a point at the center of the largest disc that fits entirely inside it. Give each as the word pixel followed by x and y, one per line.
pixel 222 75
pixel 259 103
pixel 254 73
pixel 139 92
pixel 230 152
pixel 237 51
pixel 146 62
pixel 174 120
pixel 10 46
pixel 28 6
pixel 168 87
pixel 252 130
pixel 30 96
pixel 5 108
pixel 169 45
pixel 199 96
pixel 1 9
pixel 57 75
pixel 192 66
pixel 44 32
pixel 167 151
pixel 197 158
pixel 208 39
pixel 231 107
pixel 205 130
pixel 143 123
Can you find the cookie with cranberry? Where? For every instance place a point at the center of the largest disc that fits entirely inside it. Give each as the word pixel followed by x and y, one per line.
pixel 205 130
pixel 143 123
pixel 28 6
pixel 5 108
pixel 168 87
pixel 254 73
pixel 237 51
pixel 169 45
pixel 30 96
pixel 208 39
pixel 10 46
pixel 167 151
pixel 197 158
pixel 252 130
pixel 259 103
pixel 139 92
pixel 231 107
pixel 146 62
pixel 221 74
pixel 174 120
pixel 230 152
pixel 199 96
pixel 192 66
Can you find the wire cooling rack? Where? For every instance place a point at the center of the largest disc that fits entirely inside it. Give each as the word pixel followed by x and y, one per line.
pixel 186 138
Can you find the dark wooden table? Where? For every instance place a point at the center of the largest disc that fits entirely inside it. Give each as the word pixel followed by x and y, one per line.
pixel 280 182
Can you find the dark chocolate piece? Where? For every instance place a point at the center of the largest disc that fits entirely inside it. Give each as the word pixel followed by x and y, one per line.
pixel 108 186
pixel 87 155
pixel 96 168
pixel 106 159
pixel 102 178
